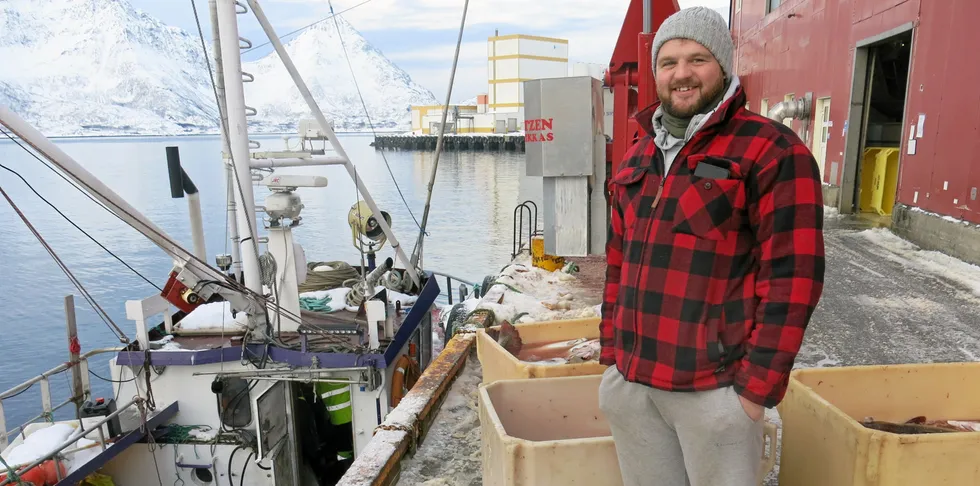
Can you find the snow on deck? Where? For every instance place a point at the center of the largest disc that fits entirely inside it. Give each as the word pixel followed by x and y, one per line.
pixel 450 454
pixel 885 301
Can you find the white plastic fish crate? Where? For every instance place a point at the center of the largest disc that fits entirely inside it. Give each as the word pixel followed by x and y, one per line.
pixel 541 432
pixel 551 432
pixel 499 364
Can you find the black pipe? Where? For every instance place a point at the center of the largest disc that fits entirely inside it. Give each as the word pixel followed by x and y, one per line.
pixel 188 184
pixel 180 182
pixel 174 169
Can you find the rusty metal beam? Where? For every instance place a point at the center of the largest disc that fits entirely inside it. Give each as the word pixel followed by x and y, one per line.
pixel 405 427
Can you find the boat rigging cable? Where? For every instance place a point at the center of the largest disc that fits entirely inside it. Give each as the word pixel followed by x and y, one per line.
pixel 64 268
pixel 63 214
pixel 417 252
pixel 332 15
pixel 368 115
pixel 227 283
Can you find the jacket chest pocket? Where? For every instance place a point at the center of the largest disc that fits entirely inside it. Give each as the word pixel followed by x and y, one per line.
pixel 710 208
pixel 632 183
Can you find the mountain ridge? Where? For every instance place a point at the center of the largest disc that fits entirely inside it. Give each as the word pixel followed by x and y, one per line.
pixel 105 68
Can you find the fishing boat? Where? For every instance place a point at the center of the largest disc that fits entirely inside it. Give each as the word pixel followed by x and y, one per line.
pixel 261 367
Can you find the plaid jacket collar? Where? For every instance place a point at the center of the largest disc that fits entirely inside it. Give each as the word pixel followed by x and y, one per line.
pixel 724 113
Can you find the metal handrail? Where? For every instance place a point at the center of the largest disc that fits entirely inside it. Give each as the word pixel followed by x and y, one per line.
pixel 43 378
pixel 82 432
pixel 449 284
pixel 53 371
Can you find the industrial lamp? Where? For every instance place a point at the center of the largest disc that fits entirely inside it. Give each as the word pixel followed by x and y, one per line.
pixel 366 230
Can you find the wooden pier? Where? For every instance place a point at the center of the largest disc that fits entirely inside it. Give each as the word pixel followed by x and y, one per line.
pixel 513 142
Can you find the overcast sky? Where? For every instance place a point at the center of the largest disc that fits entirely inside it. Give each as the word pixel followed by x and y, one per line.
pixel 420 35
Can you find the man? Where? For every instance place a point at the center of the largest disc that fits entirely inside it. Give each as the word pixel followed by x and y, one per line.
pixel 713 271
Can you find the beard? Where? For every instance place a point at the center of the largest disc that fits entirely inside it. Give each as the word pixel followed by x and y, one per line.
pixel 708 95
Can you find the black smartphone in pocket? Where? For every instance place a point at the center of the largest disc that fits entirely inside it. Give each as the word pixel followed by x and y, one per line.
pixel 709 171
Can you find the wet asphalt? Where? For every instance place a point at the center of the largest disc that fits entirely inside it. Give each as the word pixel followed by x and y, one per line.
pixel 879 308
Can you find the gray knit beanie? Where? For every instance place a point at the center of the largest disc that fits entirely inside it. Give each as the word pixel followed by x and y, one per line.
pixel 702 25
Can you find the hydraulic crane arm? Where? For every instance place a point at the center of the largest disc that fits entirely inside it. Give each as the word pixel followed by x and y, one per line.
pixel 192 280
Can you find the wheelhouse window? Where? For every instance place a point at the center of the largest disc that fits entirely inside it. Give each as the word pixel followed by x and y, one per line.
pixel 234 403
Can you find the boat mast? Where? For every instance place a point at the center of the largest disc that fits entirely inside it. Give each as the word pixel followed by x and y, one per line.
pixel 287 61
pixel 237 135
pixel 219 88
pixel 417 253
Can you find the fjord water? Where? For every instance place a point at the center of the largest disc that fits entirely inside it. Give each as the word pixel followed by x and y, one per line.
pixel 470 231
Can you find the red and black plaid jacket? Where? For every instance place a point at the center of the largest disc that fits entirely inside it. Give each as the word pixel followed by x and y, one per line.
pixel 715 284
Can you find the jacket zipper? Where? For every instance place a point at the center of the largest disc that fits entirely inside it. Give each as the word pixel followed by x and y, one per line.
pixel 646 237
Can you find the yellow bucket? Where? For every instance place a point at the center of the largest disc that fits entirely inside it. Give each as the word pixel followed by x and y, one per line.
pixel 541 260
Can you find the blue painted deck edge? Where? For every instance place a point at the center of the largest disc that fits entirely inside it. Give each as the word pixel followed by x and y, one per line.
pixel 296 358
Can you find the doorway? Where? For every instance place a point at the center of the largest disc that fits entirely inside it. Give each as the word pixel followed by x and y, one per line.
pixel 821 133
pixel 876 120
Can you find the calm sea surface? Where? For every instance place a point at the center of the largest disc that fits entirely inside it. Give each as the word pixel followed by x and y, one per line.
pixel 470 232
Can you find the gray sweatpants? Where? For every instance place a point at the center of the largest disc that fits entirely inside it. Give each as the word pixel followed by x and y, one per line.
pixel 680 438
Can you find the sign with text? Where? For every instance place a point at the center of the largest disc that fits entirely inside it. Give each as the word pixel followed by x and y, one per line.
pixel 539 130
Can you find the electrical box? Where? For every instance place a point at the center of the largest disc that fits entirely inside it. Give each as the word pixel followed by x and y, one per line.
pixel 565 144
pixel 310 129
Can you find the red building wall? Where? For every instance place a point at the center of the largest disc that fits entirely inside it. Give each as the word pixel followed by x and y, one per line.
pixel 809 45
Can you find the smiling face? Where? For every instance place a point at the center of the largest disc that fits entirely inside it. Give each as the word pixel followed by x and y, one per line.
pixel 688 77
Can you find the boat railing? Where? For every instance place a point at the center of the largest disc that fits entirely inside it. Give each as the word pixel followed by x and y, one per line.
pixel 72 439
pixel 464 288
pixel 47 407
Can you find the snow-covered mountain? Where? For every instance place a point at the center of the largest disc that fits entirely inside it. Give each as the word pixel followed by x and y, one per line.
pixel 318 53
pixel 102 67
pixel 92 67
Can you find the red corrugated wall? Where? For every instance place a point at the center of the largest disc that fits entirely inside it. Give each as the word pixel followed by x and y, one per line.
pixel 808 45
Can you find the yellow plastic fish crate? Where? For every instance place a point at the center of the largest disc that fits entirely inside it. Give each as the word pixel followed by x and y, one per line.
pixel 499 364
pixel 824 443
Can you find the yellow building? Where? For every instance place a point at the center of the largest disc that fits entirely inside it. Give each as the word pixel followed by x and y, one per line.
pixel 460 119
pixel 511 60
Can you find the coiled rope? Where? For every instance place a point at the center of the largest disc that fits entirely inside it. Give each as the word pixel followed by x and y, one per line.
pixel 334 278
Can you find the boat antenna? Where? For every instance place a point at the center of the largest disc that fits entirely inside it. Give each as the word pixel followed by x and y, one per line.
pixel 417 252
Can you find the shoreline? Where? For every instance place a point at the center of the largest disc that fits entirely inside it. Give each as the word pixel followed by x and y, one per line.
pixel 202 135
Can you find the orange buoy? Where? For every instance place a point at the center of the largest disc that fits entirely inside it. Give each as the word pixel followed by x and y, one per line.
pixel 406 374
pixel 45 474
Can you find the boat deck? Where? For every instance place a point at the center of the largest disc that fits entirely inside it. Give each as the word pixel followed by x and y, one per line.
pixel 331 340
pixel 884 302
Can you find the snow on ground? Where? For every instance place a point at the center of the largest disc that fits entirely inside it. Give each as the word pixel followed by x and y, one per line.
pixel 523 293
pixel 830 212
pixel 914 258
pixel 945 217
pixel 450 454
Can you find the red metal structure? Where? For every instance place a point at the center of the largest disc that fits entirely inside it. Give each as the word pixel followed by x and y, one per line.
pixel 630 73
pixel 900 73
